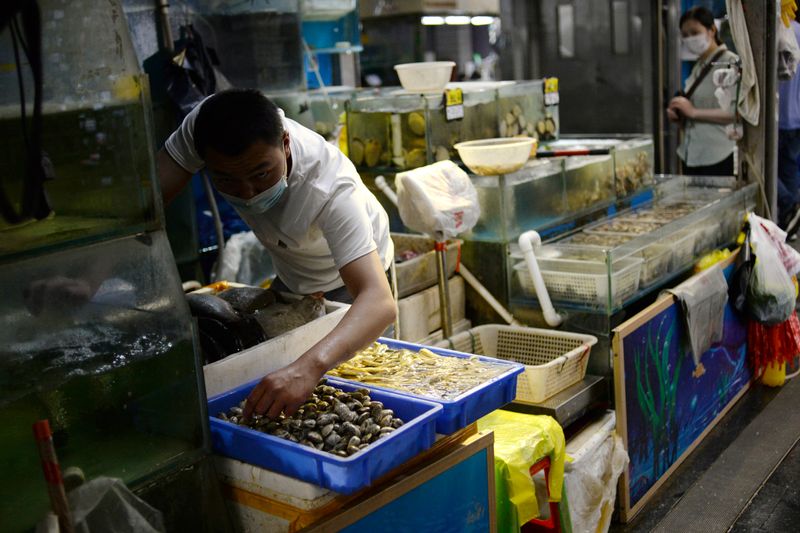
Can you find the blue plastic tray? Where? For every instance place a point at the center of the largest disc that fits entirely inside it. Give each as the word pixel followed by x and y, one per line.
pixel 339 474
pixel 470 405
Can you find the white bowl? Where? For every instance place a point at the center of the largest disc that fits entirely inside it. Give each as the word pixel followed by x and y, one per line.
pixel 490 157
pixel 428 77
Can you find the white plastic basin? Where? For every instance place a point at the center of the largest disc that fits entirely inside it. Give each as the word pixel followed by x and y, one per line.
pixel 490 157
pixel 431 76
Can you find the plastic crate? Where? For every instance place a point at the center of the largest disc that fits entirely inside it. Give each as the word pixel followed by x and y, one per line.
pixel 421 272
pixel 554 360
pixel 584 282
pixel 469 406
pixel 339 474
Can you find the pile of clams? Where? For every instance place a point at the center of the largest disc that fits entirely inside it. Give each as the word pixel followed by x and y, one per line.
pixel 331 420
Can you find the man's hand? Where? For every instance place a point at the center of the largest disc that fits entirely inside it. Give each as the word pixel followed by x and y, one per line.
pixel 284 390
pixel 681 105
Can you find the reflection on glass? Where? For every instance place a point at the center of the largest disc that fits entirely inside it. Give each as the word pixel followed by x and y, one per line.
pixel 566 31
pixel 619 24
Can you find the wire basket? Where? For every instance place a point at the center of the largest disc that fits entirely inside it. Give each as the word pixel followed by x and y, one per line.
pixel 584 282
pixel 554 360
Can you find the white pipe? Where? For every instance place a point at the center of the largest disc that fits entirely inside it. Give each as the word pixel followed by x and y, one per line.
pixel 527 242
pixel 380 183
pixel 473 282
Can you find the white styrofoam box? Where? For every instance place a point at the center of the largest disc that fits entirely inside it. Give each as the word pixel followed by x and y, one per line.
pixel 438 335
pixel 419 313
pixel 271 355
pixel 285 489
pixel 581 446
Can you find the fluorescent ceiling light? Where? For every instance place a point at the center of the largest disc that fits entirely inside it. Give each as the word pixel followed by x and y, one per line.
pixel 481 20
pixel 457 20
pixel 432 21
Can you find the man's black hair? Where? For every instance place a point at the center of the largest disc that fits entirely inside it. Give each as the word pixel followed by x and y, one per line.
pixel 703 16
pixel 229 122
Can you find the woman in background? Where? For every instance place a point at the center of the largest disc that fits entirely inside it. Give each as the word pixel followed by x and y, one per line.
pixel 705 149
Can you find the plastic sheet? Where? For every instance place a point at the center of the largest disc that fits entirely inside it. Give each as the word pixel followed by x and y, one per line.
pixel 438 200
pixel 521 440
pixel 106 504
pixel 245 260
pixel 592 486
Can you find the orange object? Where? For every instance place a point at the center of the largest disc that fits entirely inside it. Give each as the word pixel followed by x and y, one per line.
pixel 52 475
pixel 218 286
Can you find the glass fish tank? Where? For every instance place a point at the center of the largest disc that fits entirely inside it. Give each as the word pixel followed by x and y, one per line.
pixel 522 112
pixel 259 42
pixel 97 340
pixel 401 130
pixel 94 133
pixel 633 156
pixel 528 199
pixel 327 108
pixel 95 335
pixel 589 181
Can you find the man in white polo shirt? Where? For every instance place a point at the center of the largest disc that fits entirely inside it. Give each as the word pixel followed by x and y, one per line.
pixel 307 205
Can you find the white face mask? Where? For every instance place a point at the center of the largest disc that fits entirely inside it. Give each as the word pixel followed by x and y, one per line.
pixel 261 202
pixel 697 44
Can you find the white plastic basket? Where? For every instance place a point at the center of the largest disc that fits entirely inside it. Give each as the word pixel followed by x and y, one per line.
pixel 554 360
pixel 584 282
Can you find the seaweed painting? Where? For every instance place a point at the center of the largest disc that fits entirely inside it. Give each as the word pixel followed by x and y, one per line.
pixel 667 406
pixel 656 393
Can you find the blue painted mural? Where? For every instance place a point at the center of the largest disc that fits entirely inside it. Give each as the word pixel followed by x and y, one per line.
pixel 668 403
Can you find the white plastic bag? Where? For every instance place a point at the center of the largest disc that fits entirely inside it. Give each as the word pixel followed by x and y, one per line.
pixel 770 293
pixel 245 260
pixel 438 200
pixel 106 504
pixel 592 486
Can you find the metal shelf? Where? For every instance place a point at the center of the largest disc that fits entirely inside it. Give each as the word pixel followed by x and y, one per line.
pixel 570 404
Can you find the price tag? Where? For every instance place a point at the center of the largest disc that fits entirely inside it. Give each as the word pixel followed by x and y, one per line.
pixel 453 104
pixel 551 91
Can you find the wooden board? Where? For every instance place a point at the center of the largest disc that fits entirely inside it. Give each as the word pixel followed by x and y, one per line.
pixel 664 407
pixel 482 443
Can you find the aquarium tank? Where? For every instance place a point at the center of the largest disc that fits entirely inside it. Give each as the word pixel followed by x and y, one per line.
pixel 95 335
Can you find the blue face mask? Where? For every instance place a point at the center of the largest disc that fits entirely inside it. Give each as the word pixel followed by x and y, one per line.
pixel 261 202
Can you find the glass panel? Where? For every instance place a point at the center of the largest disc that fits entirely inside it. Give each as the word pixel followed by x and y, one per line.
pixel 259 42
pixel 620 26
pixel 98 341
pixel 566 31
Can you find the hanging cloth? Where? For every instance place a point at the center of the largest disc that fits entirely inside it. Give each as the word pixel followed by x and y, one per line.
pixel 749 98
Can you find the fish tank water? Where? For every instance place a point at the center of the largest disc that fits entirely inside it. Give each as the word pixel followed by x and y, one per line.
pixel 95 335
pixel 96 339
pixel 95 119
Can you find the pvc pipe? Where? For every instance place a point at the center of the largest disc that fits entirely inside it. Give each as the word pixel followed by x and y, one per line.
pixel 473 282
pixel 383 186
pixel 527 242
